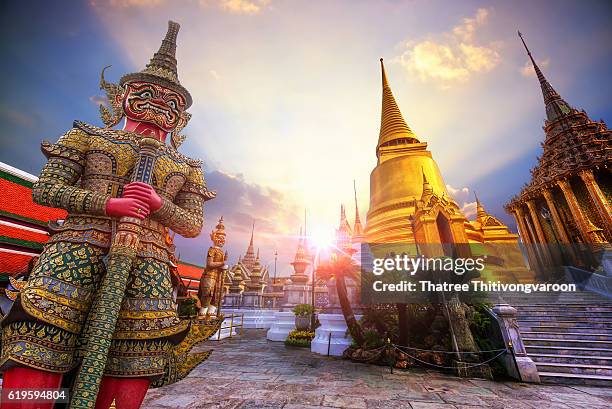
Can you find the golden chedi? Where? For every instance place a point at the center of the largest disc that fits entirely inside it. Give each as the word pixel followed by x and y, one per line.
pixel 396 181
pixel 409 202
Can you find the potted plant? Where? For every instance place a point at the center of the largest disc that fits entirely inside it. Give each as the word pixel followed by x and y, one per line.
pixel 302 312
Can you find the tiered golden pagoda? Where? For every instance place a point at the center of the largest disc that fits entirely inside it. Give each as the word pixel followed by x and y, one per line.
pixel 567 199
pixel 300 263
pixel 395 182
pixel 249 257
pixel 256 281
pixel 407 190
pixel 409 202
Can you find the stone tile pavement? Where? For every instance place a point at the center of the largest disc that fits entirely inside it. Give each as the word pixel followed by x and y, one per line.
pixel 251 372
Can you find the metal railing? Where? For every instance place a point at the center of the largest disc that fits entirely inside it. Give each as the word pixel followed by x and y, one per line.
pixel 232 325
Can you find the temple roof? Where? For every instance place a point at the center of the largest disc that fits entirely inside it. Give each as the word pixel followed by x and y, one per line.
pixel 573 143
pixel 393 127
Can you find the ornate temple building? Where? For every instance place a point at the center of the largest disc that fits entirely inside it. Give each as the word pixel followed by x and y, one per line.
pixel 408 198
pixel 567 199
pixel 246 280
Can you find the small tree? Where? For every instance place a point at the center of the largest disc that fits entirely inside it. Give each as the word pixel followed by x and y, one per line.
pixel 340 267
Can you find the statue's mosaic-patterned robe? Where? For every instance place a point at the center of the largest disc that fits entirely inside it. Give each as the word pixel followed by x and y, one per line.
pixel 45 328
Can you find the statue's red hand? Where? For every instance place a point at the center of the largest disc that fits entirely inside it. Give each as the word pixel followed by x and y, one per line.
pixel 127 206
pixel 142 191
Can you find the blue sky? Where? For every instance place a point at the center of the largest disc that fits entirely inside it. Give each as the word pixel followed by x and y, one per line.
pixel 287 93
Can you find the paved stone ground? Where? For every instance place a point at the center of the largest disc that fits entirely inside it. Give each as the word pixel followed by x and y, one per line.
pixel 255 373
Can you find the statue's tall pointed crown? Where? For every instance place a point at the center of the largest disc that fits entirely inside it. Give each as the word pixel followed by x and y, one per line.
pixel 162 69
pixel 393 127
pixel 555 105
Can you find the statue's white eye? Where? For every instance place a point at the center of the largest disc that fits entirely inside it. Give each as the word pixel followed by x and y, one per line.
pixel 172 104
pixel 146 94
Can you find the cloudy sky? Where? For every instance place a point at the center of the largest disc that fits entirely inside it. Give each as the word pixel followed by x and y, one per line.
pixel 287 93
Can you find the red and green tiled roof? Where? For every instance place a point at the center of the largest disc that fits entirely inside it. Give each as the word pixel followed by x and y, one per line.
pixel 17 201
pixel 14 263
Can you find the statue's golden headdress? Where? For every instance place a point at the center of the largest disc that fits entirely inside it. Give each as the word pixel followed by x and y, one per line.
pixel 219 230
pixel 161 70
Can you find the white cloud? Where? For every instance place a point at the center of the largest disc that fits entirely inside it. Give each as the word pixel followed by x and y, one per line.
pixel 462 196
pixel 454 57
pixel 527 68
pixel 243 6
pixel 98 99
pixel 214 74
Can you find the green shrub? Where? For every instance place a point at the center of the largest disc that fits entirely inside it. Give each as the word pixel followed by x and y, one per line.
pixel 302 343
pixel 303 310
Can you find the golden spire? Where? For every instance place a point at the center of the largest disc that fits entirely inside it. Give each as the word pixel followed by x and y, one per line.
pixel 393 127
pixel 480 210
pixel 357 229
pixel 427 190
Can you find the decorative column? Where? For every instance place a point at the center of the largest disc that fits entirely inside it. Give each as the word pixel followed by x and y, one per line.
pixel 520 224
pixel 558 225
pixel 529 242
pixel 536 221
pixel 575 209
pixel 543 246
pixel 600 200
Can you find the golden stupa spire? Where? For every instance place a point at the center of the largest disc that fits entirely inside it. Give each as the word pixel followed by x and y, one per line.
pixel 393 127
pixel 480 210
pixel 357 229
pixel 427 190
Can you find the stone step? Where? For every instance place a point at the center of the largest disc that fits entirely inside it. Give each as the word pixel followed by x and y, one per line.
pixel 578 369
pixel 566 335
pixel 564 323
pixel 578 359
pixel 577 306
pixel 565 329
pixel 577 297
pixel 565 313
pixel 562 318
pixel 565 350
pixel 557 302
pixel 575 379
pixel 569 308
pixel 567 342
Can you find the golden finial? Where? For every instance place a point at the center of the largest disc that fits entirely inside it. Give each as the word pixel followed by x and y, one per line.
pixel 392 124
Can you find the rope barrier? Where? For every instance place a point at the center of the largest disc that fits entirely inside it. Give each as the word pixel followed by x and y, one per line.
pixel 448 352
pixel 401 348
pixel 452 367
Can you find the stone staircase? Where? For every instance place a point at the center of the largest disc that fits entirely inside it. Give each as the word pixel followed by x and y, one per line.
pixel 568 337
